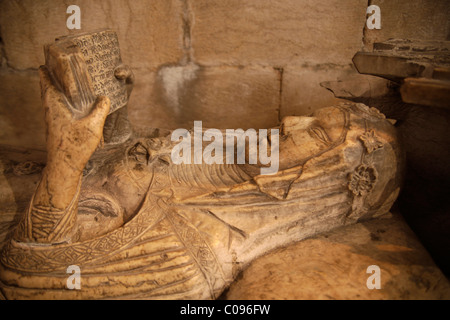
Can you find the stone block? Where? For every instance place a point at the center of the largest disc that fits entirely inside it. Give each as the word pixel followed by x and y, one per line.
pixel 358 86
pixel 145 107
pixel 150 32
pixel 221 97
pixel 422 19
pixel 302 92
pixel 276 33
pixel 334 266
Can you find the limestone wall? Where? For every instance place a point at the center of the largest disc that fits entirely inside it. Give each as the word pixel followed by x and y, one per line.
pixel 229 63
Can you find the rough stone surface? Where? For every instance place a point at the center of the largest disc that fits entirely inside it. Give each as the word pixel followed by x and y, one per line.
pixel 302 93
pixel 334 266
pixel 422 19
pixel 290 32
pixel 312 42
pixel 171 46
pixel 358 86
pixel 150 32
pixel 220 97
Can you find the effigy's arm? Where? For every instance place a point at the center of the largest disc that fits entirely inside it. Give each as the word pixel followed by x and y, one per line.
pixel 71 141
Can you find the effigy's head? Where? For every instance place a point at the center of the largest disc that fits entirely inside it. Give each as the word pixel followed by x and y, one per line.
pixel 353 146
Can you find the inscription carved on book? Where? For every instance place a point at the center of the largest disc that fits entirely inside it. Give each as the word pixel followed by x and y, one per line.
pixel 83 67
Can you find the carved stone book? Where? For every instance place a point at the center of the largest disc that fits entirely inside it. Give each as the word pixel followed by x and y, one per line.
pixel 82 67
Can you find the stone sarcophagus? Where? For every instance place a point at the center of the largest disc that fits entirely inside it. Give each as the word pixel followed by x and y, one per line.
pixel 139 225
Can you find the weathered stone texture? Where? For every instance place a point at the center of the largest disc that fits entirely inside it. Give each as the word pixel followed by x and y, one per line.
pixel 302 92
pixel 358 85
pixel 334 266
pixel 150 32
pixel 228 63
pixel 421 19
pixel 221 97
pixel 286 32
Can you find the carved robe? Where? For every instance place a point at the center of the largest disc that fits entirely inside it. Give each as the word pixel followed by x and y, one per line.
pixel 190 238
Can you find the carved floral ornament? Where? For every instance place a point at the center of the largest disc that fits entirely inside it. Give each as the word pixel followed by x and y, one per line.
pixel 370 141
pixel 362 180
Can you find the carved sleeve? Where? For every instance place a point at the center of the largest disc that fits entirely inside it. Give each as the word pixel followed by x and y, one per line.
pixel 47 224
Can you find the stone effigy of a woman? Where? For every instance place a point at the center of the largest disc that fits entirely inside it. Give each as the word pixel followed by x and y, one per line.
pixel 140 226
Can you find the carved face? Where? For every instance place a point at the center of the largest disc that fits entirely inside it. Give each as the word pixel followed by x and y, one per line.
pixel 306 136
pixel 365 147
